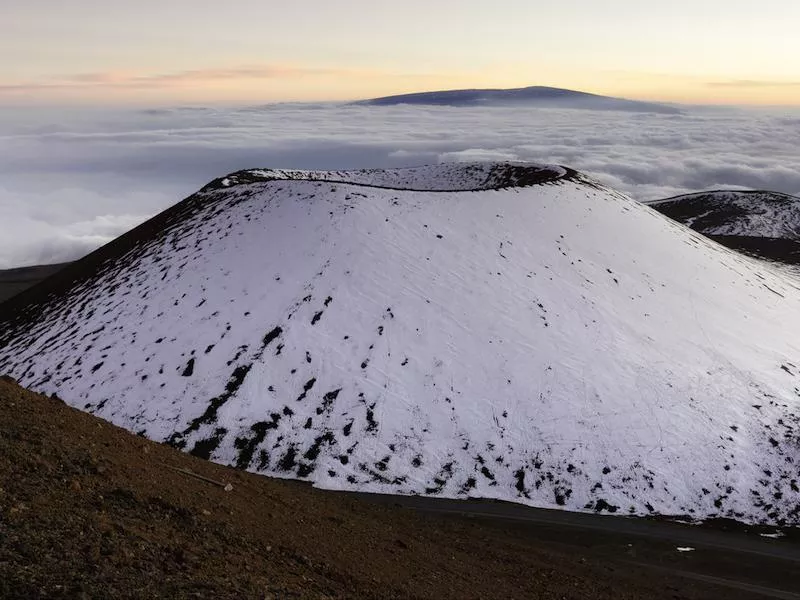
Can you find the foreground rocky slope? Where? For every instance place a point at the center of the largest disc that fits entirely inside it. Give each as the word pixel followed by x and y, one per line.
pixel 88 510
pixel 504 331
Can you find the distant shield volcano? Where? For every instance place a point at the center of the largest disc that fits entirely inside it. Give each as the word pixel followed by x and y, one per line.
pixel 544 97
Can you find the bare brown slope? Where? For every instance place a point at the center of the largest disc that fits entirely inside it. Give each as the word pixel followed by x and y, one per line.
pixel 90 510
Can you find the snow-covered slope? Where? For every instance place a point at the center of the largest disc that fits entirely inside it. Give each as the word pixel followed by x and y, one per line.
pixel 545 97
pixel 739 213
pixel 541 339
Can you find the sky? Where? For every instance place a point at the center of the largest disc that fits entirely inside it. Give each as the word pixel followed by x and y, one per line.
pixel 161 53
pixel 111 111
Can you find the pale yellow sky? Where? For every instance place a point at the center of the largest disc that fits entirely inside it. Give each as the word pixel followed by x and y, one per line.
pixel 253 51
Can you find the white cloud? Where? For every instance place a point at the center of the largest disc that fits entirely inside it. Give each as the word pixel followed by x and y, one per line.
pixel 72 180
pixel 41 227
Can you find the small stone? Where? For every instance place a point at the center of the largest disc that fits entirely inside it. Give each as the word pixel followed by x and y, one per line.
pixel 21 507
pixel 206 512
pixel 228 487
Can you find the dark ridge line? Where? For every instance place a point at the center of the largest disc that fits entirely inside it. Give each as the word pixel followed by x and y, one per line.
pixel 30 272
pixel 552 176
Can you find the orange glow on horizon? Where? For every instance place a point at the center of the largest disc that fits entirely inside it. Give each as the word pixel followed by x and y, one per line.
pixel 282 83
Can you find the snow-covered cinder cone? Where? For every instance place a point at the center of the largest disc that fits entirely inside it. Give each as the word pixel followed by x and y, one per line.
pixel 506 331
pixel 761 214
pixel 761 224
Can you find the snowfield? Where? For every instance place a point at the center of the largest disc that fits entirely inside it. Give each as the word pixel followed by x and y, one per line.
pixel 505 331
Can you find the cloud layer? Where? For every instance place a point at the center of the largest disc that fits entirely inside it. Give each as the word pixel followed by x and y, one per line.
pixel 72 180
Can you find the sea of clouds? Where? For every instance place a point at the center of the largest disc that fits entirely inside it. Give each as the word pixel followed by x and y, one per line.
pixel 72 179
